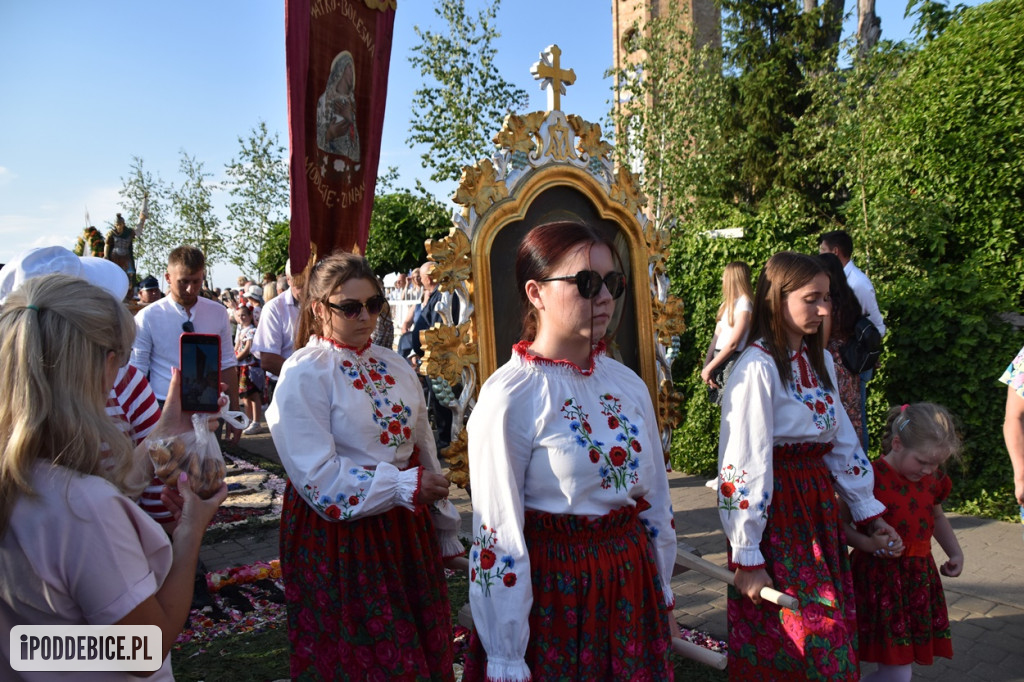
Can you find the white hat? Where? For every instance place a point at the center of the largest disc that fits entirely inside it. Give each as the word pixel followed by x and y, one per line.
pixel 52 260
pixel 255 292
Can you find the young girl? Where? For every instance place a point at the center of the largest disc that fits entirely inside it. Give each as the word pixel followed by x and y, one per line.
pixel 901 611
pixel 786 448
pixel 838 331
pixel 731 327
pixel 251 378
pixel 573 544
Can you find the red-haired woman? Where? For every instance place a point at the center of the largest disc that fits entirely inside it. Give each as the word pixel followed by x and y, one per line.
pixel 574 541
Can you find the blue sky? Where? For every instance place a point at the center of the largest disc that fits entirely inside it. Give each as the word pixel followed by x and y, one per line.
pixel 85 86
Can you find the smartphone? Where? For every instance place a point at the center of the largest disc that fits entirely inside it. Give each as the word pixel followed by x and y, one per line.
pixel 200 372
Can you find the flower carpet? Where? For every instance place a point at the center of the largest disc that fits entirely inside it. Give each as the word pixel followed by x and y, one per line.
pixel 254 495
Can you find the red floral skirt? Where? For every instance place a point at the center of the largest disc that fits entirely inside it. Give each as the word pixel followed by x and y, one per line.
pixel 805 556
pixel 598 611
pixel 901 610
pixel 367 599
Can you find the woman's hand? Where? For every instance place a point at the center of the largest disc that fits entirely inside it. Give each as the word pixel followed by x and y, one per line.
pixel 172 419
pixel 433 487
pixel 749 583
pixel 889 542
pixel 705 376
pixel 195 513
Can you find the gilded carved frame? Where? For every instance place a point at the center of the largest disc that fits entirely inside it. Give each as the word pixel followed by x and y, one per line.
pixel 538 152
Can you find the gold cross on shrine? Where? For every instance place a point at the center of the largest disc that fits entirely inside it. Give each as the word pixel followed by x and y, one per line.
pixel 552 76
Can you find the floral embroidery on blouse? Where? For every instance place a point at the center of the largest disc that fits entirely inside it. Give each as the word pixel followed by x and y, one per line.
pixel 341 506
pixel 807 390
pixel 1014 374
pixel 374 380
pixel 618 466
pixel 733 492
pixel 491 569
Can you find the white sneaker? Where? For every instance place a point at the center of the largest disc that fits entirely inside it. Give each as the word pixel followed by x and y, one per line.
pixel 253 428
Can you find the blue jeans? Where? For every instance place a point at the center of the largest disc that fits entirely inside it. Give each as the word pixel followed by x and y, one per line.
pixel 865 377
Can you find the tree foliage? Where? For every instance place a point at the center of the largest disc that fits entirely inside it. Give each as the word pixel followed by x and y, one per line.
pixel 259 184
pixel 463 94
pixel 195 222
pixel 400 224
pixel 915 150
pixel 157 238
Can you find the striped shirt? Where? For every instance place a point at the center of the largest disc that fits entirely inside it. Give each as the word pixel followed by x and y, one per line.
pixel 133 406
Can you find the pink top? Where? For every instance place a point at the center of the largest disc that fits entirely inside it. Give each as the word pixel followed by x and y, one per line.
pixel 77 552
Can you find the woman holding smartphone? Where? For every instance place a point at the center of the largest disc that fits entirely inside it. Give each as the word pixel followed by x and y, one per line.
pixel 366 519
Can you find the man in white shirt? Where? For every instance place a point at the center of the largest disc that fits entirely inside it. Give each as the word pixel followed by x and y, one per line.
pixel 840 243
pixel 160 325
pixel 275 334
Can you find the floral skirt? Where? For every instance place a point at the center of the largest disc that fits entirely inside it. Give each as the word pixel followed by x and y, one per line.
pixel 805 556
pixel 901 610
pixel 367 599
pixel 598 610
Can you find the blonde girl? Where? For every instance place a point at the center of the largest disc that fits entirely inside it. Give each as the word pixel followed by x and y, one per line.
pixel 75 549
pixel 901 609
pixel 731 326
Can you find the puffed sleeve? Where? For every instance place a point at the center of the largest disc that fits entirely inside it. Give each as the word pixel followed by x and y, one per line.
pixel 745 459
pixel 300 418
pixel 446 517
pixel 851 471
pixel 500 590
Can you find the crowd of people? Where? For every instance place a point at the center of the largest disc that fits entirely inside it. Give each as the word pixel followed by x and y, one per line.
pixel 573 543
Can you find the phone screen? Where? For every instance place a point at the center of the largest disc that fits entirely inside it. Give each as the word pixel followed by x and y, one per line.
pixel 200 372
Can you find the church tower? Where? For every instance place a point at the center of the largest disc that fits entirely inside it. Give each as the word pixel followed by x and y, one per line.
pixel 703 17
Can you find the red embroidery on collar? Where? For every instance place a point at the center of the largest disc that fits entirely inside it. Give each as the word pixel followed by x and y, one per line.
pixel 807 377
pixel 345 346
pixel 522 350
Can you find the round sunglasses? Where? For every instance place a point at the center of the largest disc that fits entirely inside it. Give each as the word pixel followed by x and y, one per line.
pixel 351 309
pixel 589 282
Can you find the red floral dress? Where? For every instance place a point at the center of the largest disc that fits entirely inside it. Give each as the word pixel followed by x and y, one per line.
pixel 901 610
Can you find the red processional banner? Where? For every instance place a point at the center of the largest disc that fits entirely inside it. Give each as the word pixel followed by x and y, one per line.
pixel 337 52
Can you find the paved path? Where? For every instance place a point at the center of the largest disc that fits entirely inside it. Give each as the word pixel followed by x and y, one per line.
pixel 986 604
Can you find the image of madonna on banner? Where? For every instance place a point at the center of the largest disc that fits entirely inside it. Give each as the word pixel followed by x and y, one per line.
pixel 338 53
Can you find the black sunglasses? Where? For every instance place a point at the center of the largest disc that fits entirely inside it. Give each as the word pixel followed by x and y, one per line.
pixel 589 282
pixel 187 326
pixel 352 309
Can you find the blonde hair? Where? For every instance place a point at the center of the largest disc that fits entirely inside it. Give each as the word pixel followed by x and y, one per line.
pixel 735 283
pixel 922 427
pixel 55 334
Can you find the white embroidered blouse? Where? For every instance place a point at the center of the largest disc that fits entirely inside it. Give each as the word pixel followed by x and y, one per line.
pixel 549 437
pixel 345 423
pixel 760 412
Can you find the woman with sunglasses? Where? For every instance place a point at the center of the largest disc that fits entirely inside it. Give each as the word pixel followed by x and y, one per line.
pixel 573 542
pixel 366 521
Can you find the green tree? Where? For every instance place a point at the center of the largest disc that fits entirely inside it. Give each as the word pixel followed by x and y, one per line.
pixel 156 240
pixel 938 203
pixel 259 184
pixel 195 221
pixel 463 96
pixel 915 150
pixel 400 224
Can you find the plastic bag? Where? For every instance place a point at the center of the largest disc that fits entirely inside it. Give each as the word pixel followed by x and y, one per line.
pixel 195 452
